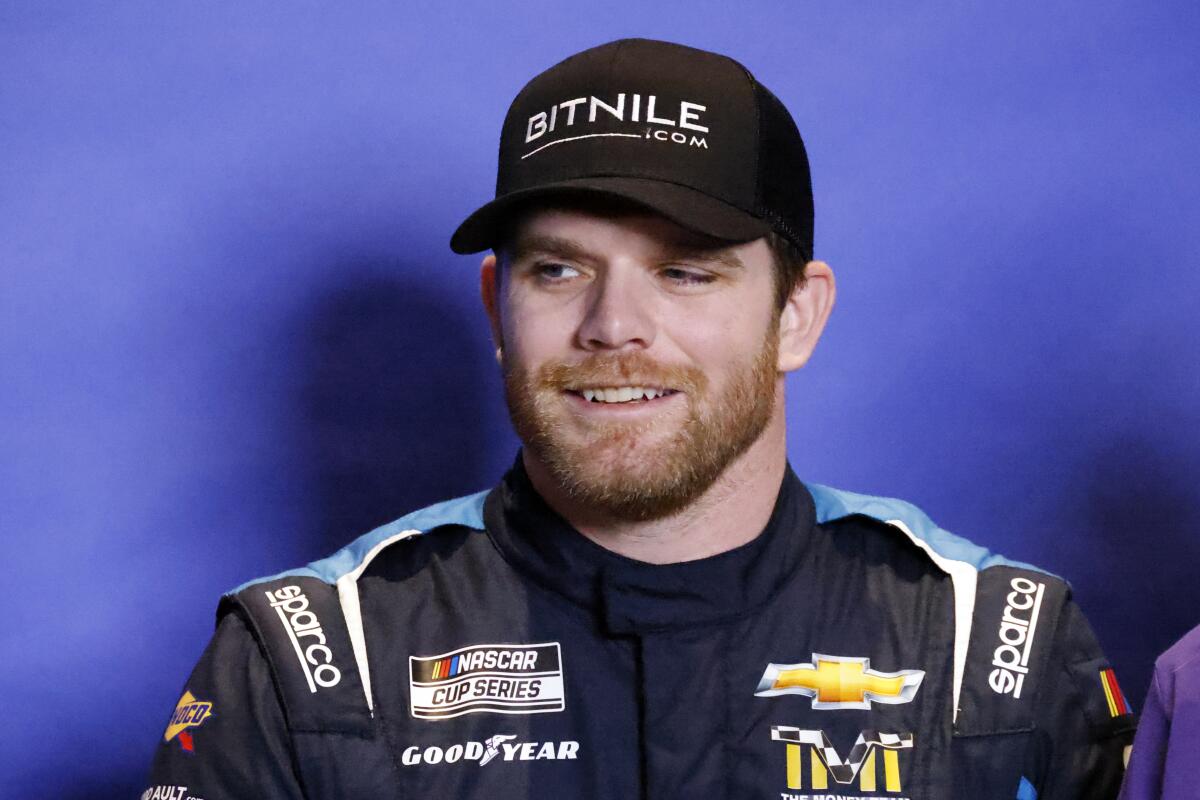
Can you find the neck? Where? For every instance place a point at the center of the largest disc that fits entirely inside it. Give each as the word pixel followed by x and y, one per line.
pixel 731 512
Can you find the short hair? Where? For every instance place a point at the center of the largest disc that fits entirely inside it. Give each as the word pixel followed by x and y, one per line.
pixel 789 262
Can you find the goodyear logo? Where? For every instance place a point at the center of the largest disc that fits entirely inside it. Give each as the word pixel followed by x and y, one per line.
pixel 493 747
pixel 189 713
pixel 840 682
pixel 824 762
pixel 497 678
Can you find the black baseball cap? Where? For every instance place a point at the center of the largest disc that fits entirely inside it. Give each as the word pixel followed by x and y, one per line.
pixel 684 132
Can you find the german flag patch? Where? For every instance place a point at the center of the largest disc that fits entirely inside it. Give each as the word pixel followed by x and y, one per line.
pixel 1117 706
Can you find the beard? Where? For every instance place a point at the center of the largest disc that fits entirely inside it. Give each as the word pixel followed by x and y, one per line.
pixel 642 470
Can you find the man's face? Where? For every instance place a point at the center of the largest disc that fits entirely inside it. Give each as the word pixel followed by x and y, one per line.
pixel 638 359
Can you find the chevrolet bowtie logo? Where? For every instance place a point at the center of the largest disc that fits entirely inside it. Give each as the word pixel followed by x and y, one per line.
pixel 840 682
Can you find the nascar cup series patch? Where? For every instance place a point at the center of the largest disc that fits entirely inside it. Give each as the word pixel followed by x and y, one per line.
pixel 496 678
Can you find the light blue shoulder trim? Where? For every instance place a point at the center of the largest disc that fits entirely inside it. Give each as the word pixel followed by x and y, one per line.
pixel 466 511
pixel 834 503
pixel 1025 790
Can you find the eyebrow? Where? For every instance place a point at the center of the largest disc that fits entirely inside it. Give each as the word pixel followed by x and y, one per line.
pixel 569 248
pixel 549 245
pixel 708 256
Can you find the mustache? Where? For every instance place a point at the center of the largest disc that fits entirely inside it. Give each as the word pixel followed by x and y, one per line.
pixel 627 369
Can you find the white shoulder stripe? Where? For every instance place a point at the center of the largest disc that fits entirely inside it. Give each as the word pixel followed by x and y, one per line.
pixel 965 578
pixel 347 586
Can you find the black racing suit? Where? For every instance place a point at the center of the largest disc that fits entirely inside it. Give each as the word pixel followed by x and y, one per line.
pixel 482 648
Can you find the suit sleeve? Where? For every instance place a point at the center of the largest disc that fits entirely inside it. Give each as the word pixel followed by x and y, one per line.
pixel 227 737
pixel 1147 763
pixel 1083 718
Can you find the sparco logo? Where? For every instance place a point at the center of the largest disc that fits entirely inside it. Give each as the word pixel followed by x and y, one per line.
pixel 1017 629
pixel 493 747
pixel 624 107
pixel 501 678
pixel 304 629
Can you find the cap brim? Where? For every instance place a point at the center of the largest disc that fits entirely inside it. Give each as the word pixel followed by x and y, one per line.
pixel 682 205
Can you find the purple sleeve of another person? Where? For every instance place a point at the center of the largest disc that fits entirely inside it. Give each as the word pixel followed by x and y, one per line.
pixel 1167 746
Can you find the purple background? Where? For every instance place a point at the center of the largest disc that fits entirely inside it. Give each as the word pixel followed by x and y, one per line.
pixel 232 334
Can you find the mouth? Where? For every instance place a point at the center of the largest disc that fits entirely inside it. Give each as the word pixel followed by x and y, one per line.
pixel 621 395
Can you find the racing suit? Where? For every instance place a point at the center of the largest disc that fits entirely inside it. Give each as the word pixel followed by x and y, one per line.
pixel 483 648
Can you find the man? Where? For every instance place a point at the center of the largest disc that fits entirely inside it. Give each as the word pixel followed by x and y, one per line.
pixel 1168 736
pixel 650 603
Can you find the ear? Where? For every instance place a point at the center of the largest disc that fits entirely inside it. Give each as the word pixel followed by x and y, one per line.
pixel 489 292
pixel 803 316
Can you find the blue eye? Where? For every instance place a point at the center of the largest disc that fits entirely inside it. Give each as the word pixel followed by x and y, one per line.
pixel 554 271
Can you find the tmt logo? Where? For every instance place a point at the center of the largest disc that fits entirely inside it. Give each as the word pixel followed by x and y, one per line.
pixel 824 761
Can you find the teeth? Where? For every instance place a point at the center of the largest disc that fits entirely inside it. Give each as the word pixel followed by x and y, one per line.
pixel 622 394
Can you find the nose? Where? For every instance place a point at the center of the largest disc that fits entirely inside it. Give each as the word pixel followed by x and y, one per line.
pixel 619 314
